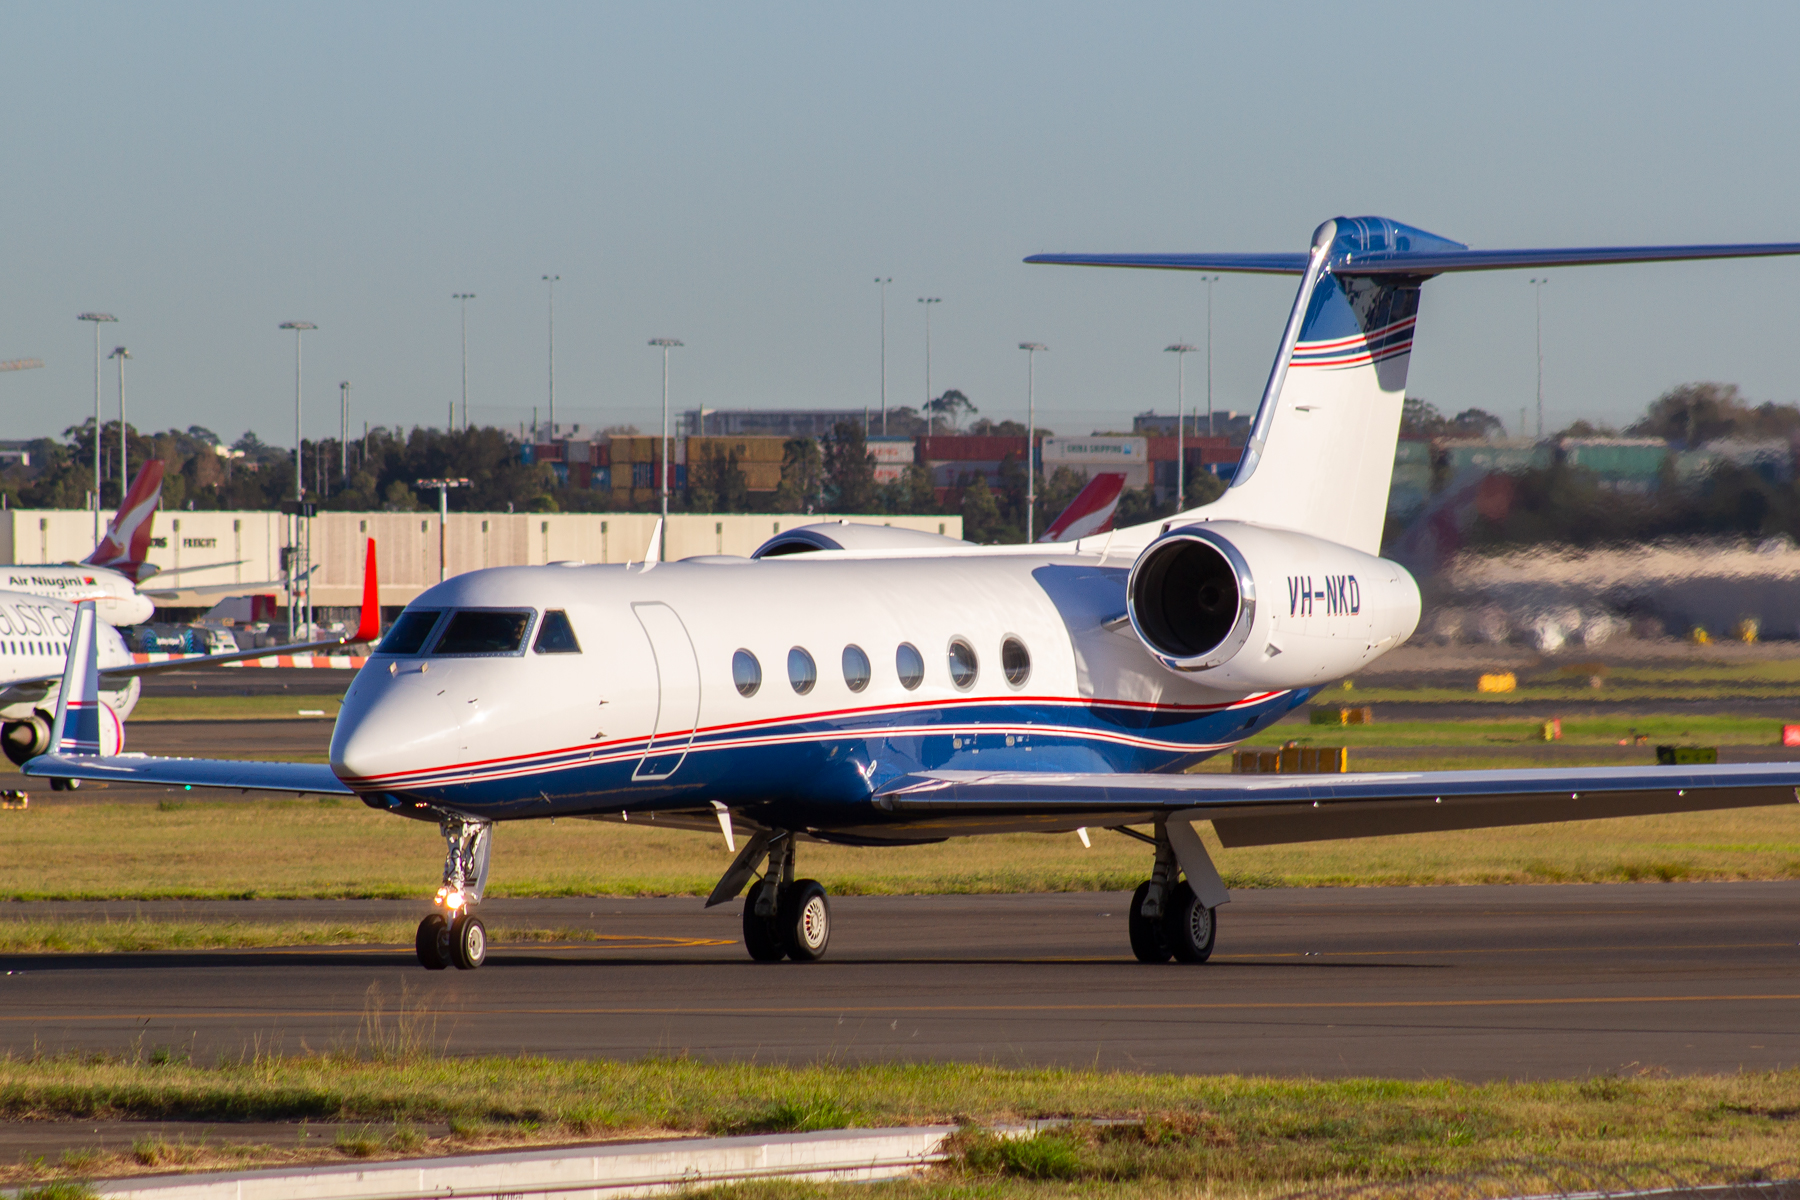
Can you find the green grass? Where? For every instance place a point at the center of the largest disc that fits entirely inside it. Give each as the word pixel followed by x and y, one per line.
pixel 266 707
pixel 246 848
pixel 1697 729
pixel 1221 1135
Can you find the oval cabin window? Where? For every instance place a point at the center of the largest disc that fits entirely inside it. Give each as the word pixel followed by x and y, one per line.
pixel 910 665
pixel 856 668
pixel 746 673
pixel 963 664
pixel 801 671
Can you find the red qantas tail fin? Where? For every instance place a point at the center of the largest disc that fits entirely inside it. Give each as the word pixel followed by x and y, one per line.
pixel 1091 511
pixel 127 540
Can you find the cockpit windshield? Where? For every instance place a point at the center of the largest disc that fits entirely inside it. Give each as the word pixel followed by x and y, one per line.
pixel 484 631
pixel 408 634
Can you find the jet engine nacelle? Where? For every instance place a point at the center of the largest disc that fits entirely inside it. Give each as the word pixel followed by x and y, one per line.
pixel 1238 606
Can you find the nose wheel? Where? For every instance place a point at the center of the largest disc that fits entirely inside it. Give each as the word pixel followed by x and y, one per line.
pixel 452 935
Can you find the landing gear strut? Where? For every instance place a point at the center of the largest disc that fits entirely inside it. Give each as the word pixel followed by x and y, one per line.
pixel 452 935
pixel 1169 917
pixel 786 917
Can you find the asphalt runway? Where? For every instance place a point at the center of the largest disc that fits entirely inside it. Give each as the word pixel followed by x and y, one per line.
pixel 1477 983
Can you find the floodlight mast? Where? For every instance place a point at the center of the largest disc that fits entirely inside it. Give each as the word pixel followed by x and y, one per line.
pixel 1031 349
pixel 121 353
pixel 1180 350
pixel 666 344
pixel 99 319
pixel 443 487
pixel 299 328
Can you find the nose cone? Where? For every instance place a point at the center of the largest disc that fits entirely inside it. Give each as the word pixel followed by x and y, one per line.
pixel 394 723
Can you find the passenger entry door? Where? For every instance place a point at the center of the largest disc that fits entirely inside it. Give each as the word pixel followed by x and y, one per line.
pixel 678 691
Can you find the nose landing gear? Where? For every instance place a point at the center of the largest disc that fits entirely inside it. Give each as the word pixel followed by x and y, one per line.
pixel 453 935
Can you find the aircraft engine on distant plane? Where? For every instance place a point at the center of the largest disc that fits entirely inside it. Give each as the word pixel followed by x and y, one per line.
pixel 1237 606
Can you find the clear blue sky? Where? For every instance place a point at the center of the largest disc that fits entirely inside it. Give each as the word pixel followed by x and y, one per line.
pixel 737 175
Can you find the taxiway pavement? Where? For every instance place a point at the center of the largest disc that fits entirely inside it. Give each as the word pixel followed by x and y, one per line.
pixel 1477 982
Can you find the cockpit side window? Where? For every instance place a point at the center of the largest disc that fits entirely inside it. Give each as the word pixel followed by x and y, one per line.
pixel 408 634
pixel 556 635
pixel 484 631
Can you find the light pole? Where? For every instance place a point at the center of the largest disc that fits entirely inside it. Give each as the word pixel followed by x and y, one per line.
pixel 883 285
pixel 551 281
pixel 1180 350
pixel 121 353
pixel 666 344
pixel 98 318
pixel 465 297
pixel 1209 280
pixel 344 430
pixel 299 328
pixel 1031 350
pixel 928 301
pixel 1538 288
pixel 443 487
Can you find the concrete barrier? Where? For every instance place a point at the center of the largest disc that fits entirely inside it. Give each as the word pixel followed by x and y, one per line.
pixel 570 1173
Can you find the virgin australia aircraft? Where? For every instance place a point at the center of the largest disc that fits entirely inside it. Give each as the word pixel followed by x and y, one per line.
pixel 871 686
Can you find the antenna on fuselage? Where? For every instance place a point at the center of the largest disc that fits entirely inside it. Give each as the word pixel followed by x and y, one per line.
pixel 653 554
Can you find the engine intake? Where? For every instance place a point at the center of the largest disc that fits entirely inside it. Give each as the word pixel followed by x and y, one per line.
pixel 1192 600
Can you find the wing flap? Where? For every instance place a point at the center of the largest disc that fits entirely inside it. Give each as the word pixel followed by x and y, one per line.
pixel 1250 810
pixel 309 778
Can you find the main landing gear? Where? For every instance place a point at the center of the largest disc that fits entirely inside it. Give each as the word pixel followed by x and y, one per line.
pixel 1173 918
pixel 784 917
pixel 453 935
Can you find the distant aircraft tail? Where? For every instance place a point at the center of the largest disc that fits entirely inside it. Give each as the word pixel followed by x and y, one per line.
pixel 1321 450
pixel 1090 512
pixel 127 542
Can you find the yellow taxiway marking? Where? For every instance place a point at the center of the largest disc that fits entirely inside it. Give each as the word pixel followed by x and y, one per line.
pixel 927 1009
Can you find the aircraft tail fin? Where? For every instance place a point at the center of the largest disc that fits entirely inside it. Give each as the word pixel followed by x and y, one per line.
pixel 1321 449
pixel 1091 511
pixel 84 725
pixel 1320 453
pixel 127 540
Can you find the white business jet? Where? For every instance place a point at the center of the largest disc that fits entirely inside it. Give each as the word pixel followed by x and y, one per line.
pixel 871 686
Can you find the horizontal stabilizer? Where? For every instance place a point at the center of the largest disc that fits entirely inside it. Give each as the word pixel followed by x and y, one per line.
pixel 1256 264
pixel 1251 810
pixel 1374 247
pixel 310 778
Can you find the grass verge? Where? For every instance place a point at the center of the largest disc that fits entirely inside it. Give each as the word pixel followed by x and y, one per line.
pixel 262 707
pixel 1225 1135
pixel 241 849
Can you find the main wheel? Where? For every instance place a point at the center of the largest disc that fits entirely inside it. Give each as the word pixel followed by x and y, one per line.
pixel 1147 939
pixel 64 785
pixel 804 920
pixel 760 936
pixel 1188 925
pixel 468 942
pixel 432 941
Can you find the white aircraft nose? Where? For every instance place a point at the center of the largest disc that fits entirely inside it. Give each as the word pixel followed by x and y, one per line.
pixel 396 720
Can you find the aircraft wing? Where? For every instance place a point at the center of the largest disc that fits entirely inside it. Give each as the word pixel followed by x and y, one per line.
pixel 1257 810
pixel 311 778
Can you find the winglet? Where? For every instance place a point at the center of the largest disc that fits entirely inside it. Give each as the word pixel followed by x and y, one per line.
pixel 368 628
pixel 83 724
